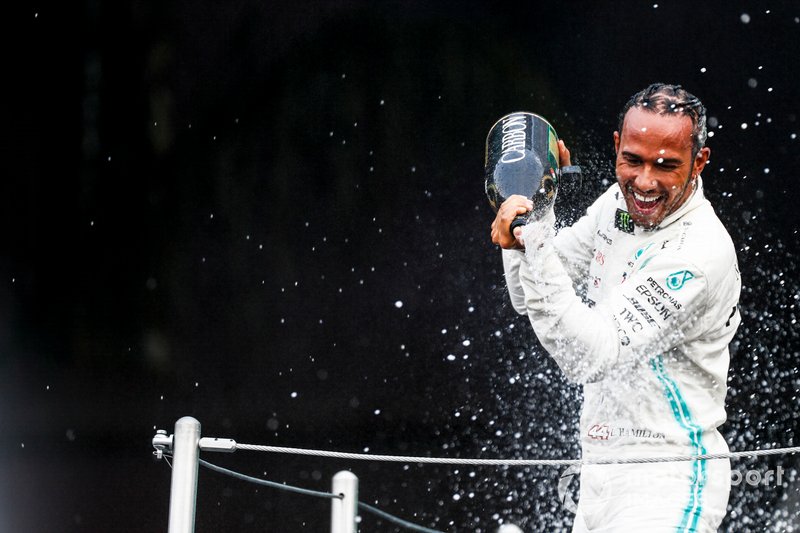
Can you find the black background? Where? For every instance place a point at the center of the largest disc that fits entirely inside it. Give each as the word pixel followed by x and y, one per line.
pixel 217 209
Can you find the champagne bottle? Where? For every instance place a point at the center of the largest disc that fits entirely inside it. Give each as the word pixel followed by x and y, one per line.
pixel 522 158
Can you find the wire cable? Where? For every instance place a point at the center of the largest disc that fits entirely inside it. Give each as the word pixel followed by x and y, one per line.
pixel 271 484
pixel 328 495
pixel 516 462
pixel 405 458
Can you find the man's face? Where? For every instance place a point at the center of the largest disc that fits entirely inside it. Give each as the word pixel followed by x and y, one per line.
pixel 655 165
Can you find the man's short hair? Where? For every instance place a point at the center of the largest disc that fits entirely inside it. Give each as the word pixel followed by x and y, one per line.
pixel 664 99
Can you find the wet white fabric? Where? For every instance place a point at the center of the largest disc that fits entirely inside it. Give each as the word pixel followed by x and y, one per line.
pixel 630 498
pixel 643 319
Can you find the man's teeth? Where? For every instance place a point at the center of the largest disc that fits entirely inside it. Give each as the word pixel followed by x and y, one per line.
pixel 645 199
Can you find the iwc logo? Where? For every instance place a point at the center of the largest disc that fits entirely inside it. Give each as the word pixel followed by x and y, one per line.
pixel 564 494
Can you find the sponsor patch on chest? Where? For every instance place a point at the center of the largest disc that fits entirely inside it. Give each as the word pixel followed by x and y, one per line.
pixel 623 221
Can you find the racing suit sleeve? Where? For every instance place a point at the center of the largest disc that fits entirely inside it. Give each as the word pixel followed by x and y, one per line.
pixel 574 247
pixel 512 259
pixel 651 312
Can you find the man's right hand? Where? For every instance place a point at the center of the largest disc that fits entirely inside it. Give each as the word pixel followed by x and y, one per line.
pixel 501 235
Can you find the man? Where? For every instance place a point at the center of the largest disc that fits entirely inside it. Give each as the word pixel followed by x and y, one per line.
pixel 648 335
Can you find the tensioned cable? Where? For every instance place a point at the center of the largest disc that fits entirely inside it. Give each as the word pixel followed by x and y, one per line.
pixel 515 462
pixel 307 492
pixel 271 484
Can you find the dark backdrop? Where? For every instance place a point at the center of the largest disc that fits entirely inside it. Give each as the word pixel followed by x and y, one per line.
pixel 270 216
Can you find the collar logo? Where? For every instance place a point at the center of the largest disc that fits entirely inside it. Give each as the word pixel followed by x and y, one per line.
pixel 623 221
pixel 642 250
pixel 677 280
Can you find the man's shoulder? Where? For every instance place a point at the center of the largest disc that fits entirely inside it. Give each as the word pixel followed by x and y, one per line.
pixel 611 196
pixel 705 232
pixel 699 238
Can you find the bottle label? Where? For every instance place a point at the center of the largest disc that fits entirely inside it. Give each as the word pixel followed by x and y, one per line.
pixel 513 148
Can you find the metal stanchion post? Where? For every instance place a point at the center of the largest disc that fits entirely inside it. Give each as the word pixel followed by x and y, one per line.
pixel 344 510
pixel 183 495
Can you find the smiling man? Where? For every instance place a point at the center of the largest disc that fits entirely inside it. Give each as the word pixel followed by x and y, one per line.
pixel 637 301
pixel 657 167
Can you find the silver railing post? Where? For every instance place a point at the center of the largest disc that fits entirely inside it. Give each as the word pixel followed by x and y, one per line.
pixel 344 510
pixel 185 457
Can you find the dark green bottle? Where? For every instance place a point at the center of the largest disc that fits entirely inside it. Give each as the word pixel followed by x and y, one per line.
pixel 522 158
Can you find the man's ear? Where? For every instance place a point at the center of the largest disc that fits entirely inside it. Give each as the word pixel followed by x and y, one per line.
pixel 700 161
pixel 616 142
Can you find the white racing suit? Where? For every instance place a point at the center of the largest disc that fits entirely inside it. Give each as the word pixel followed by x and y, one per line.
pixel 649 342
